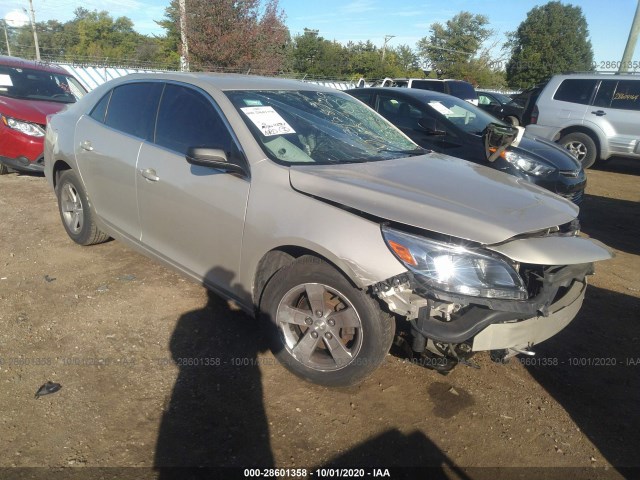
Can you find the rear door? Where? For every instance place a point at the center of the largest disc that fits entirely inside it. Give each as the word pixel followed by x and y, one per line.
pixel 572 99
pixel 107 144
pixel 616 110
pixel 190 215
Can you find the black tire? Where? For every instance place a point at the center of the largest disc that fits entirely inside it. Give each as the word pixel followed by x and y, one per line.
pixel 75 211
pixel 352 333
pixel 512 121
pixel 3 169
pixel 581 146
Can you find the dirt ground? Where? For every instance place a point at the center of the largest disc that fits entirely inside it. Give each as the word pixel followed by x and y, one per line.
pixel 119 332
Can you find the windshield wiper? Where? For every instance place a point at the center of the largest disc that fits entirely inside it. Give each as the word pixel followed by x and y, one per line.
pixel 415 151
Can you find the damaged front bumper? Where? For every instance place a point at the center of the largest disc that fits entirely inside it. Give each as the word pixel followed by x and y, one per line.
pixel 490 324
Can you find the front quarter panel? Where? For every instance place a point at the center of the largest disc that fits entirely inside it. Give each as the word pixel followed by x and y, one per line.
pixel 278 216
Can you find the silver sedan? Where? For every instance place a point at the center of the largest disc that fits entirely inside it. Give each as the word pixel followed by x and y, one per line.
pixel 314 213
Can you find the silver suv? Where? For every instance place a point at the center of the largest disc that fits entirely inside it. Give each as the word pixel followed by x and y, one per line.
pixel 595 116
pixel 312 211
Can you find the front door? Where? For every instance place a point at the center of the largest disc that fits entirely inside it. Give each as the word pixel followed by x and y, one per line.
pixel 189 214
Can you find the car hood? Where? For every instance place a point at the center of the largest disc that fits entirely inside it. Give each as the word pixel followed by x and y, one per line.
pixel 438 193
pixel 35 111
pixel 549 153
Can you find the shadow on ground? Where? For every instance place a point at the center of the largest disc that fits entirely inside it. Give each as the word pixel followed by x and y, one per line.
pixel 622 165
pixel 216 416
pixel 597 379
pixel 612 221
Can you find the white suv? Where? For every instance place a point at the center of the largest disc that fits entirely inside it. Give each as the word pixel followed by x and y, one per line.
pixel 593 115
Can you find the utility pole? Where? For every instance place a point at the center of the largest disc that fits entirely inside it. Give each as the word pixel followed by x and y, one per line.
pixel 6 37
pixel 631 42
pixel 35 34
pixel 384 45
pixel 184 57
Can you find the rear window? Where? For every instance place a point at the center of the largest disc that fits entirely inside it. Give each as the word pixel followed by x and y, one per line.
pixel 575 91
pixel 427 85
pixel 627 95
pixel 462 90
pixel 133 108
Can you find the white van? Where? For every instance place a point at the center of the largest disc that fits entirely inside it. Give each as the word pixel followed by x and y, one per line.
pixel 457 88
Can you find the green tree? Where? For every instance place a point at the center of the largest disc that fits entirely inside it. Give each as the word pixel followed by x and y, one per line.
pixel 231 34
pixel 450 48
pixel 552 39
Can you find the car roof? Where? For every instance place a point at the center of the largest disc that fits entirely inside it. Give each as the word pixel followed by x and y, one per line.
pixel 16 62
pixel 415 93
pixel 228 81
pixel 600 75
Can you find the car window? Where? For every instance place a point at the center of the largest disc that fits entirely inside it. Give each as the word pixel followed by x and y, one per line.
pixel 486 100
pixel 187 118
pixel 364 97
pixel 100 110
pixel 605 93
pixel 461 113
pixel 627 95
pixel 461 89
pixel 133 107
pixel 575 90
pixel 308 126
pixel 436 86
pixel 399 112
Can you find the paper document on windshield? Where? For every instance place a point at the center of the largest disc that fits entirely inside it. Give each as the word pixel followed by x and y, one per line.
pixel 268 121
pixel 440 108
pixel 5 81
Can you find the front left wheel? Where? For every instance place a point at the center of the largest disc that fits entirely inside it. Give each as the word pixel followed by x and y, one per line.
pixel 75 212
pixel 322 328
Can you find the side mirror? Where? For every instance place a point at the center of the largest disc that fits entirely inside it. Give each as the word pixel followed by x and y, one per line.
pixel 212 158
pixel 430 126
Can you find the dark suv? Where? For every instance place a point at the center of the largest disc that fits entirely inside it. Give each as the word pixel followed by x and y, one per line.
pixel 29 91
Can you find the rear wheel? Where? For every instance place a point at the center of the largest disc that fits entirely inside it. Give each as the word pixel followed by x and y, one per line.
pixel 3 169
pixel 322 328
pixel 581 146
pixel 75 212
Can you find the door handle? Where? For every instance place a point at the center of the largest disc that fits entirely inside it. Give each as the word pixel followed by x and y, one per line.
pixel 86 145
pixel 150 174
pixel 599 113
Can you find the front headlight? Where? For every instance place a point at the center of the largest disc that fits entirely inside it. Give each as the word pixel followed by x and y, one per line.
pixel 455 269
pixel 28 128
pixel 527 164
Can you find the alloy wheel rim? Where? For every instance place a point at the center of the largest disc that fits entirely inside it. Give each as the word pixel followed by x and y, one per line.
pixel 71 206
pixel 577 149
pixel 320 326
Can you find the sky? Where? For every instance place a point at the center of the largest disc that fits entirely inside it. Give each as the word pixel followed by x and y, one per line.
pixel 360 20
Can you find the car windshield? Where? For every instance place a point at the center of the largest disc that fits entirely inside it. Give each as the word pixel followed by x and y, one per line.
pixel 501 98
pixel 302 127
pixel 462 114
pixel 31 84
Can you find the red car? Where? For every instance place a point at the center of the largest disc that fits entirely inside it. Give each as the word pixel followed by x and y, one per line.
pixel 29 91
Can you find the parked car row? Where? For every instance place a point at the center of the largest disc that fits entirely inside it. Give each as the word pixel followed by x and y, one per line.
pixel 594 116
pixel 319 216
